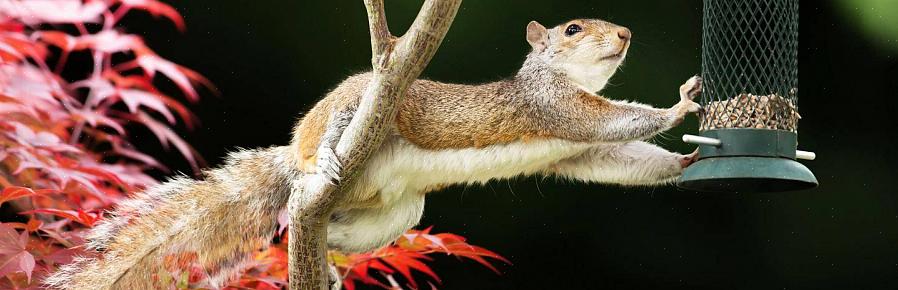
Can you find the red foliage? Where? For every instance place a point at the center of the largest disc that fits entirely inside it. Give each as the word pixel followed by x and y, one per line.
pixel 407 253
pixel 16 257
pixel 65 154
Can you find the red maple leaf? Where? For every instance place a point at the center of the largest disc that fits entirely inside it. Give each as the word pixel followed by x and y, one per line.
pixel 80 216
pixel 183 77
pixel 158 9
pixel 167 136
pixel 13 255
pixel 14 192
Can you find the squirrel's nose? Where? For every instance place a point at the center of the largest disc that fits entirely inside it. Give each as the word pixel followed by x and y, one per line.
pixel 623 33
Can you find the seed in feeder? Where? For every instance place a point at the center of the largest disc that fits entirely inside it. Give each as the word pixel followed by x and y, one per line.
pixel 750 111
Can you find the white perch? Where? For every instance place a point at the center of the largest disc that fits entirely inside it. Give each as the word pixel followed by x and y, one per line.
pixel 701 140
pixel 806 155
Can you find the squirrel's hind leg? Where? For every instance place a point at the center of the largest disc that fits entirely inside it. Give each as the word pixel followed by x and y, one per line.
pixel 631 163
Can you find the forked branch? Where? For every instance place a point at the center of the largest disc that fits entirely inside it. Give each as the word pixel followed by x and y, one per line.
pixel 381 39
pixel 396 63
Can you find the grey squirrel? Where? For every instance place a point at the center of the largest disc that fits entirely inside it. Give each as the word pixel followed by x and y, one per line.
pixel 546 120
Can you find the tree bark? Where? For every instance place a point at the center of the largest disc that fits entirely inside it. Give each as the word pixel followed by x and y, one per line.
pixel 396 63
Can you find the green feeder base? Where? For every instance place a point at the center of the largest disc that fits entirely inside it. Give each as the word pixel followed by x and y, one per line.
pixel 747 174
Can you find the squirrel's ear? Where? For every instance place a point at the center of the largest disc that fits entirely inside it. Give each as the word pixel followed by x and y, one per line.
pixel 537 35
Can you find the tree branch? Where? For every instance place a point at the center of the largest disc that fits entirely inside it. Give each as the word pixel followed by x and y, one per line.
pixel 381 39
pixel 396 64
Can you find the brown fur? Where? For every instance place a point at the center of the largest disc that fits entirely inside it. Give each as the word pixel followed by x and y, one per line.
pixel 438 115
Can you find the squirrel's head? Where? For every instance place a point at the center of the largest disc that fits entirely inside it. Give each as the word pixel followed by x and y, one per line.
pixel 588 51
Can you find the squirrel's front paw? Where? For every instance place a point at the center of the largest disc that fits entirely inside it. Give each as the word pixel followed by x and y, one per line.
pixel 691 89
pixel 688 92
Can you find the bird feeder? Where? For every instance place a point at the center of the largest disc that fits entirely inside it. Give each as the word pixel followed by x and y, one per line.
pixel 749 124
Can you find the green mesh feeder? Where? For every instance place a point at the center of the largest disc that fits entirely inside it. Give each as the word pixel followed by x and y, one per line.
pixel 749 126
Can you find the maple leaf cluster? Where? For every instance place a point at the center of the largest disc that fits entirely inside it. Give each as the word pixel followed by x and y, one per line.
pixel 66 156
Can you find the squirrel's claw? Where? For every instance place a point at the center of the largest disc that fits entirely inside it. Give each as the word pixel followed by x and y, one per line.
pixel 329 165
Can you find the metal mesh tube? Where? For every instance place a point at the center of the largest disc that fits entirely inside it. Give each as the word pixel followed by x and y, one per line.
pixel 750 64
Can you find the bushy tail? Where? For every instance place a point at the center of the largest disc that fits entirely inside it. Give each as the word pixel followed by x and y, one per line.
pixel 220 219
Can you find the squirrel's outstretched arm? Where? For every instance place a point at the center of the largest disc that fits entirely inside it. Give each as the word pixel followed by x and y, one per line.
pixel 592 118
pixel 631 163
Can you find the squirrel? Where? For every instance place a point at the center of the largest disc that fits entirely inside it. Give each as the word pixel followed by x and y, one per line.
pixel 545 120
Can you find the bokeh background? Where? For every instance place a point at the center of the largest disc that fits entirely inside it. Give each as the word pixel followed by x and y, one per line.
pixel 272 60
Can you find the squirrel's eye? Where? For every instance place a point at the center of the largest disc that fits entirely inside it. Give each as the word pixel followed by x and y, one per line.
pixel 572 29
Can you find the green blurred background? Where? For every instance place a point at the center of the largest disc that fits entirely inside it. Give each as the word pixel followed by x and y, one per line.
pixel 273 59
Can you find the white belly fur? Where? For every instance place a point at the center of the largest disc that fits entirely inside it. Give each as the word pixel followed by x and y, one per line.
pixel 399 172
